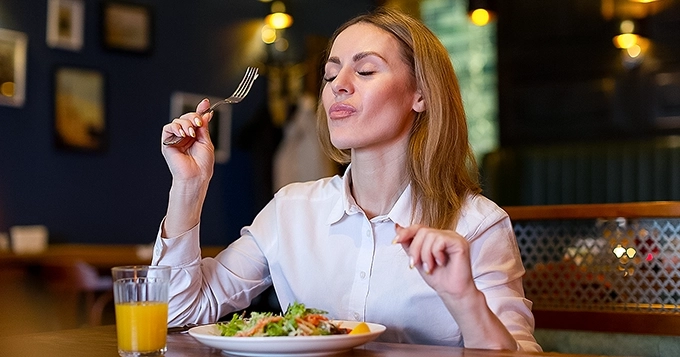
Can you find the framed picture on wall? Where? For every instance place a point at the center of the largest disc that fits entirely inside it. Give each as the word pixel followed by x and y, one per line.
pixel 65 24
pixel 13 46
pixel 79 109
pixel 220 124
pixel 127 27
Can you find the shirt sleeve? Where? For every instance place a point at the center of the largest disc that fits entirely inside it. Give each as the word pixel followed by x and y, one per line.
pixel 497 271
pixel 204 289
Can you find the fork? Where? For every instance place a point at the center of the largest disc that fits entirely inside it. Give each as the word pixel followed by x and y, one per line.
pixel 241 91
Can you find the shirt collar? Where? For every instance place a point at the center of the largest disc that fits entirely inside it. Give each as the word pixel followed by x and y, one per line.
pixel 342 206
pixel 401 211
pixel 346 205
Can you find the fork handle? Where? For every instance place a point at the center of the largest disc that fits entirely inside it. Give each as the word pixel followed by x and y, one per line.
pixel 173 140
pixel 212 107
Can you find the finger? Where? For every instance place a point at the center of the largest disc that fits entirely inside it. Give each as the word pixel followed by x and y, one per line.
pixel 439 252
pixel 202 130
pixel 203 105
pixel 187 124
pixel 405 234
pixel 174 128
pixel 192 120
pixel 426 256
pixel 415 248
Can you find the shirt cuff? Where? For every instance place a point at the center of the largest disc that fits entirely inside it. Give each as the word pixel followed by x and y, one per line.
pixel 184 249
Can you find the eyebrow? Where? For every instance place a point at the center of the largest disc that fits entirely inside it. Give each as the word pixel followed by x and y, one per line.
pixel 357 57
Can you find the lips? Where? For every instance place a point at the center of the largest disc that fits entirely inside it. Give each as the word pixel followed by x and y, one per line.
pixel 340 110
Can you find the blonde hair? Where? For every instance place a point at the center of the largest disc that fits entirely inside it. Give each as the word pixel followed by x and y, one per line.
pixel 442 167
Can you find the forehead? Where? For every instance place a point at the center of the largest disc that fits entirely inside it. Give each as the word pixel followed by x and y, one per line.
pixel 362 37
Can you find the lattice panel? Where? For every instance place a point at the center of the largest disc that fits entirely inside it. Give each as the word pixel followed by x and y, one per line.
pixel 631 265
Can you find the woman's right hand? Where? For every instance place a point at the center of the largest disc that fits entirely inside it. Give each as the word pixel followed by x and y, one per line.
pixel 194 157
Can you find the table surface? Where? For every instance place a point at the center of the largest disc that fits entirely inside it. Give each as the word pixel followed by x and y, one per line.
pixel 103 256
pixel 101 342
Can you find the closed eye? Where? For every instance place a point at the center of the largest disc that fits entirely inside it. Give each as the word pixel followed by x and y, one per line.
pixel 361 73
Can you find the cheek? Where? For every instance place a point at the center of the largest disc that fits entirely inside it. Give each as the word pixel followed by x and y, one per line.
pixel 326 97
pixel 386 100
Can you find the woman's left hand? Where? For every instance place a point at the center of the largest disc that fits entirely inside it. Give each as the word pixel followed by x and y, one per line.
pixel 441 256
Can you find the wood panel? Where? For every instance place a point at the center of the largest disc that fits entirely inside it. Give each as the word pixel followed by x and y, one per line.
pixel 594 211
pixel 620 322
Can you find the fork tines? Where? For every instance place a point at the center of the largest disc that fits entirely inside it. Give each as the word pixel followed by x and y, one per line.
pixel 246 83
pixel 241 91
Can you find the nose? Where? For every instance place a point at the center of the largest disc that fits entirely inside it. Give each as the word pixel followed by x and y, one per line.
pixel 342 84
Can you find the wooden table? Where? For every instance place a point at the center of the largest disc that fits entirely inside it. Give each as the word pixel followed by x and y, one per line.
pixel 50 289
pixel 101 256
pixel 101 342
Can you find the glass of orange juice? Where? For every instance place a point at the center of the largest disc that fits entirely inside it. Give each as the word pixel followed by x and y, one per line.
pixel 140 294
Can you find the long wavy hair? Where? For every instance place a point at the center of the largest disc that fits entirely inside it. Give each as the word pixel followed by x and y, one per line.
pixel 442 167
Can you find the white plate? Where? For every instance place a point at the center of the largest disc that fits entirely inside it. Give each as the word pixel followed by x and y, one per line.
pixel 209 335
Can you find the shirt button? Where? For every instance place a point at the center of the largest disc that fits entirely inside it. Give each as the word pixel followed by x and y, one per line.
pixel 357 316
pixel 362 275
pixel 368 233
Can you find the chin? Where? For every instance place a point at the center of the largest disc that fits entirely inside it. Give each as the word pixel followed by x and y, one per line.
pixel 342 143
pixel 338 139
pixel 340 146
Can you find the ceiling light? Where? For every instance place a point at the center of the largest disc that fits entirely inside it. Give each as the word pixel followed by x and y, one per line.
pixel 278 20
pixel 480 17
pixel 481 12
pixel 625 40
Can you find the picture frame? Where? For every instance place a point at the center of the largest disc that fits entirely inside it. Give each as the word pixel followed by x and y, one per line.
pixel 127 27
pixel 220 124
pixel 79 109
pixel 65 24
pixel 13 49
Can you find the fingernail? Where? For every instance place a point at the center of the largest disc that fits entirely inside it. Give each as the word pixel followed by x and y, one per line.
pixel 411 264
pixel 198 121
pixel 192 132
pixel 181 132
pixel 439 263
pixel 395 240
pixel 426 268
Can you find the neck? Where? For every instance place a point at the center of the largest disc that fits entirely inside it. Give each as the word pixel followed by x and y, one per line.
pixel 378 182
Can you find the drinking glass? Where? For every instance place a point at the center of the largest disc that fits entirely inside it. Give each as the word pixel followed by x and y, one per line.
pixel 140 294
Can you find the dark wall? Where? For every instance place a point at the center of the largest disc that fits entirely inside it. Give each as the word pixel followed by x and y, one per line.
pixel 119 195
pixel 562 80
pixel 579 121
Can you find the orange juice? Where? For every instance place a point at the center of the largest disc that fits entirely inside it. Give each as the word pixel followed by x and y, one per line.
pixel 141 326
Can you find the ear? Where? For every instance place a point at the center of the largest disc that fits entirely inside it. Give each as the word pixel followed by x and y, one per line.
pixel 418 102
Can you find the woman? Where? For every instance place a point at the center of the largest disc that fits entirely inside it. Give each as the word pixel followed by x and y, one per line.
pixel 403 238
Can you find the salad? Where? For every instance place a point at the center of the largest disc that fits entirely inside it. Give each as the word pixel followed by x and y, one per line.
pixel 297 321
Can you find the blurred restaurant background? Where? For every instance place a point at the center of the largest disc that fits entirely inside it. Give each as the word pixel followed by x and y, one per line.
pixel 570 103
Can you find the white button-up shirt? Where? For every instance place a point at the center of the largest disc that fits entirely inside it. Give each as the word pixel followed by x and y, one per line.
pixel 317 247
